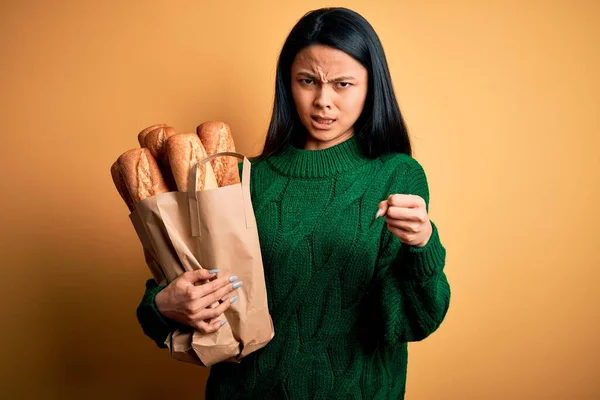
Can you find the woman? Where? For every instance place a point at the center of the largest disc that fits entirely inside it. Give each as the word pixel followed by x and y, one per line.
pixel 346 291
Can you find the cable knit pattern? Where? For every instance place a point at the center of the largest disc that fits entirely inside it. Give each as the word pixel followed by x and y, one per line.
pixel 344 294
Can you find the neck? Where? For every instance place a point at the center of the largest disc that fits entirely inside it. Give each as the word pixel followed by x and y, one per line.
pixel 315 144
pixel 333 160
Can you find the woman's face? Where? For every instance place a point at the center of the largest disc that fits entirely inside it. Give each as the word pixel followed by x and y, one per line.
pixel 329 89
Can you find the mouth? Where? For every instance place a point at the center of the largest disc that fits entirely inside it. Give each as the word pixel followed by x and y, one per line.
pixel 322 122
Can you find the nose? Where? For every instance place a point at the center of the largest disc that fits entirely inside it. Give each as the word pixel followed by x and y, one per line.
pixel 323 99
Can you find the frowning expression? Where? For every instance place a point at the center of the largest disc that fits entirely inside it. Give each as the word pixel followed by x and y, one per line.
pixel 329 89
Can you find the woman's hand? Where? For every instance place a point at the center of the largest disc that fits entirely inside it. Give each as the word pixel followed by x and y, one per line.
pixel 198 306
pixel 407 218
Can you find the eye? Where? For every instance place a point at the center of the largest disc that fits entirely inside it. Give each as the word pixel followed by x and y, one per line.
pixel 306 81
pixel 344 84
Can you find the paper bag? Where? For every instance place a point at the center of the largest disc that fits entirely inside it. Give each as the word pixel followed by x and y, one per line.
pixel 211 229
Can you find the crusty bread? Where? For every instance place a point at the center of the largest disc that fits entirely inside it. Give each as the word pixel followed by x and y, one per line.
pixel 141 174
pixel 184 151
pixel 156 141
pixel 216 138
pixel 119 182
pixel 142 135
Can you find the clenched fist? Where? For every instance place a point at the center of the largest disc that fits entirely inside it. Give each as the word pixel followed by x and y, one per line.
pixel 407 218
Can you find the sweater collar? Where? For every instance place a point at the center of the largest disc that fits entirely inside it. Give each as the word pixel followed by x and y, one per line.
pixel 314 164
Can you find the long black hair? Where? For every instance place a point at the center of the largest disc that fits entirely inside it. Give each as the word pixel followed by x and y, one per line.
pixel 380 129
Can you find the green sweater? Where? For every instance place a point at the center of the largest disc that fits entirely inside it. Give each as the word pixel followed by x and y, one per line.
pixel 345 295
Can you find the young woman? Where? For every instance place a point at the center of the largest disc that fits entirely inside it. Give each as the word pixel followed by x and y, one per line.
pixel 353 265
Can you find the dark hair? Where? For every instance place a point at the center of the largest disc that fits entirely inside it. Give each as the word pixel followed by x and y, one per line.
pixel 380 129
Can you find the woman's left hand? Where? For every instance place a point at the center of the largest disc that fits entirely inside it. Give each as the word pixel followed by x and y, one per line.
pixel 407 218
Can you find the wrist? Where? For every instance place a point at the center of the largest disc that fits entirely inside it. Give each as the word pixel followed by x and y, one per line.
pixel 160 305
pixel 160 301
pixel 428 233
pixel 424 262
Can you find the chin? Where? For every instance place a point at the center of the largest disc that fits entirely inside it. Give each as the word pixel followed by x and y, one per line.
pixel 324 139
pixel 324 136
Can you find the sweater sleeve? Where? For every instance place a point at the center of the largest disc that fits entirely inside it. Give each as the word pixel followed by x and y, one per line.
pixel 413 291
pixel 154 325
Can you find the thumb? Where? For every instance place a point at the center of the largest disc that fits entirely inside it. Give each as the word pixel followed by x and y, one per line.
pixel 382 209
pixel 200 275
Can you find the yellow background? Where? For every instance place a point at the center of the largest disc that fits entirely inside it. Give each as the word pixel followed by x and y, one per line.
pixel 502 101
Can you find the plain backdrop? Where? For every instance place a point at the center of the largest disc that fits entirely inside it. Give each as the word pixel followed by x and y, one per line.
pixel 502 102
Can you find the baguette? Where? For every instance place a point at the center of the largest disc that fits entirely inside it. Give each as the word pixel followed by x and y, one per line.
pixel 216 138
pixel 141 174
pixel 119 182
pixel 155 140
pixel 184 151
pixel 142 135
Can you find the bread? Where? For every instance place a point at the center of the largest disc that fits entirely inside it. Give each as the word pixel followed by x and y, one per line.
pixel 142 135
pixel 154 138
pixel 119 182
pixel 216 138
pixel 155 141
pixel 184 151
pixel 141 174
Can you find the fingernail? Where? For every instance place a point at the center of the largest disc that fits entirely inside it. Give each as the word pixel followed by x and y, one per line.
pixel 233 299
pixel 233 279
pixel 223 322
pixel 237 285
pixel 214 271
pixel 379 213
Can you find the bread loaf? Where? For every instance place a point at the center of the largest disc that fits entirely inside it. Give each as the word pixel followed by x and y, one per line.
pixel 141 174
pixel 119 182
pixel 184 151
pixel 156 140
pixel 145 131
pixel 216 138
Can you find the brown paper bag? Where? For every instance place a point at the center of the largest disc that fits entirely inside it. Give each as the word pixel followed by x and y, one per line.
pixel 211 229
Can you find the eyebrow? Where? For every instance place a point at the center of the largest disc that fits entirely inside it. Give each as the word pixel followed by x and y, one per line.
pixel 339 79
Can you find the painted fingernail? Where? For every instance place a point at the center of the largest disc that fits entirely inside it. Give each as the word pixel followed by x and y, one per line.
pixel 233 299
pixel 379 213
pixel 237 285
pixel 223 322
pixel 214 271
pixel 233 279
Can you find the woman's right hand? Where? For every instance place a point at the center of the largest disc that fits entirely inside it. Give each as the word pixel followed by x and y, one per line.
pixel 198 305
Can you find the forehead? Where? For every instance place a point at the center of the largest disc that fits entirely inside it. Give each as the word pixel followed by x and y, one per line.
pixel 324 59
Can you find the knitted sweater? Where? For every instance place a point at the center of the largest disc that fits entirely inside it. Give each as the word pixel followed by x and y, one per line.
pixel 345 295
